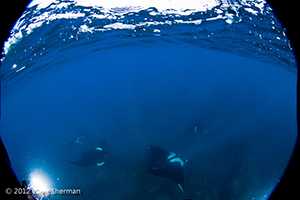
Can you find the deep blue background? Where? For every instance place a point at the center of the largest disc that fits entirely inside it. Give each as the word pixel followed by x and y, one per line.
pixel 139 95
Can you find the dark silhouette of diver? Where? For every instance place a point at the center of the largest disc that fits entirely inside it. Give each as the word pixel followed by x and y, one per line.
pixel 10 180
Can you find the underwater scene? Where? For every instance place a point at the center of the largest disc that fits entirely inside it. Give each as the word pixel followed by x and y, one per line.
pixel 162 99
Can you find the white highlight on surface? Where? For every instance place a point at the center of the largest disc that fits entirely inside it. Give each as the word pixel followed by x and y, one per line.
pixel 39 181
pixel 178 5
pixel 177 160
pixel 118 25
pixel 180 187
pixel 114 9
pixel 173 157
pixel 21 69
pixel 100 164
pixel 84 28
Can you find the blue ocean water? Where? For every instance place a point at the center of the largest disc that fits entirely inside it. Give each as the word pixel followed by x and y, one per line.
pixel 137 76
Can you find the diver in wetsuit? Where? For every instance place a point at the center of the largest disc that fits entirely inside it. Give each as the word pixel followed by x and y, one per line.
pixel 9 181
